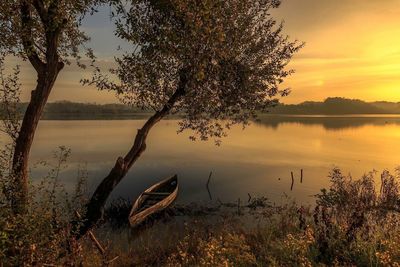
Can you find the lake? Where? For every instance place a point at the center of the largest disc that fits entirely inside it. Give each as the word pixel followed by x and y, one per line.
pixel 257 160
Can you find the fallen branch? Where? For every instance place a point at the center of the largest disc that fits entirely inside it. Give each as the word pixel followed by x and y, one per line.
pixel 93 238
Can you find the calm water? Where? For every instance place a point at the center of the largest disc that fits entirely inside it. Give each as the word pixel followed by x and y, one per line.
pixel 257 160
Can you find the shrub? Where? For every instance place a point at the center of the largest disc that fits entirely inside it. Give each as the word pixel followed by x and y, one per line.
pixel 221 249
pixel 42 235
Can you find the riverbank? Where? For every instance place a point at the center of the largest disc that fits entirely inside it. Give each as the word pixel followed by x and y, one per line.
pixel 353 223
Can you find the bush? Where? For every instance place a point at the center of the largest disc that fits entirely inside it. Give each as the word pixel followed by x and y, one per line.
pixel 222 249
pixel 41 235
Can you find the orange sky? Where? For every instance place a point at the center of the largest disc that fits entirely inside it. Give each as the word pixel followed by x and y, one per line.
pixel 352 50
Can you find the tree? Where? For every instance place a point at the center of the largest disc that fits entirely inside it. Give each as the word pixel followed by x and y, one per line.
pixel 216 62
pixel 47 34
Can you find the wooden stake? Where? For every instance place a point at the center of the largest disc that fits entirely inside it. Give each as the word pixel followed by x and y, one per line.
pixel 207 186
pixel 209 178
pixel 291 187
pixel 301 176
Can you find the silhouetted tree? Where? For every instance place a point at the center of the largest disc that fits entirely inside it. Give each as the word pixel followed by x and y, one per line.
pixel 216 62
pixel 47 34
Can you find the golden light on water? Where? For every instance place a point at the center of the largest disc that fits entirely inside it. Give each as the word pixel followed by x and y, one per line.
pixel 251 160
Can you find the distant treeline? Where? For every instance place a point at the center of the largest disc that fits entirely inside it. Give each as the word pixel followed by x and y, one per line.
pixel 72 110
pixel 338 106
pixel 66 110
pixel 331 106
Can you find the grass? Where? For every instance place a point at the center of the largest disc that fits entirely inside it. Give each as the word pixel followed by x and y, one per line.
pixel 353 223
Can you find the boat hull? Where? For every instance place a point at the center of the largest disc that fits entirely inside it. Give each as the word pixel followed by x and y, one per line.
pixel 138 214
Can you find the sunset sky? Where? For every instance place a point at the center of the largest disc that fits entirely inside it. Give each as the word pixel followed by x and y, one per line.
pixel 352 50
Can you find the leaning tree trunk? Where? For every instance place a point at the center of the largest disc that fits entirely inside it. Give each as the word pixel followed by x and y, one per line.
pixel 94 209
pixel 39 96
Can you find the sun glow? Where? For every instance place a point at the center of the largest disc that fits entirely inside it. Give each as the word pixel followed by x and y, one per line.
pixel 358 54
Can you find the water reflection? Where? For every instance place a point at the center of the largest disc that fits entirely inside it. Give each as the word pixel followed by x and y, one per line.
pixel 257 160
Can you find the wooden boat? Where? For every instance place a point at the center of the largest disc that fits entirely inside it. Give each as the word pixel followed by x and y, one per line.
pixel 154 199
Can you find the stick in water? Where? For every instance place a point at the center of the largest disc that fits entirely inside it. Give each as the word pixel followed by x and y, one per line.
pixel 207 186
pixel 291 187
pixel 301 176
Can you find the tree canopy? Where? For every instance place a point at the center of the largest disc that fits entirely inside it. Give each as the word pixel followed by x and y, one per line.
pixel 232 55
pixel 29 27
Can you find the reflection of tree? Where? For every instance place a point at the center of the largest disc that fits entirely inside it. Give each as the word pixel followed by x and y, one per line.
pixel 329 123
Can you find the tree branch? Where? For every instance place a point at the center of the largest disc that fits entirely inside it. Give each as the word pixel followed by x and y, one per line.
pixel 55 25
pixel 133 154
pixel 26 36
pixel 40 8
